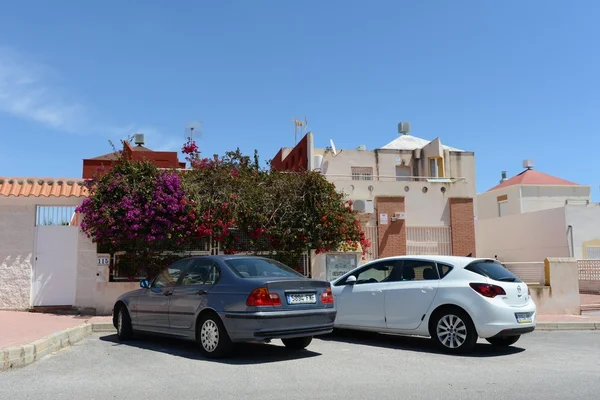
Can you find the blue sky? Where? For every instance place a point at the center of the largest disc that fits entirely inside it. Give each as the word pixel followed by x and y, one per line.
pixel 507 79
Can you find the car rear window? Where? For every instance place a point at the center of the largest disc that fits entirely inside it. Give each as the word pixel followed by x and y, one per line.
pixel 493 270
pixel 260 268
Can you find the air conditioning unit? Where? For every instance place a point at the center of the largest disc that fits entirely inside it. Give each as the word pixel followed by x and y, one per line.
pixel 364 206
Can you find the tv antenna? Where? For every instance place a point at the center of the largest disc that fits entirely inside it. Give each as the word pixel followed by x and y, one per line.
pixel 300 127
pixel 193 128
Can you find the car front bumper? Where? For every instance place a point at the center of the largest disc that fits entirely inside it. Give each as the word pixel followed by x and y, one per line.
pixel 243 326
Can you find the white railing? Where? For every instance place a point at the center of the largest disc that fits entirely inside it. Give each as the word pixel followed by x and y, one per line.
pixel 429 241
pixel 56 216
pixel 530 272
pixel 395 178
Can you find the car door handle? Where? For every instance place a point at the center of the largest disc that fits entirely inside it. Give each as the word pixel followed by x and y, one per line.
pixel 427 289
pixel 201 292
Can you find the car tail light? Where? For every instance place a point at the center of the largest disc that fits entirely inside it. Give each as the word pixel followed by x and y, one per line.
pixel 262 297
pixel 327 296
pixel 487 290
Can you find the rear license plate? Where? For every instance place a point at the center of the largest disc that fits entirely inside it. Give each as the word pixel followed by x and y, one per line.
pixel 304 298
pixel 524 318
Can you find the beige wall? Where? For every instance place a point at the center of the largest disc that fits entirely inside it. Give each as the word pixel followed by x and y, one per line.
pixel 422 209
pixel 526 198
pixel 487 202
pixel 585 222
pixel 524 237
pixel 536 198
pixel 561 295
pixel 93 288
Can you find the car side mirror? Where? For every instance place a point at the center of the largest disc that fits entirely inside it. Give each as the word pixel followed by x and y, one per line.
pixel 144 284
pixel 351 280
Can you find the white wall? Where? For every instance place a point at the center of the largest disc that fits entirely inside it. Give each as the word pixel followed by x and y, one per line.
pixel 17 241
pixel 525 237
pixel 535 198
pixel 487 202
pixel 585 221
pixel 16 255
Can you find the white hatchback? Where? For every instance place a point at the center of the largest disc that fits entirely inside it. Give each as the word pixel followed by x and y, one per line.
pixel 453 300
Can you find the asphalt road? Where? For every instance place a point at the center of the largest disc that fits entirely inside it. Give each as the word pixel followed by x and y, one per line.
pixel 543 365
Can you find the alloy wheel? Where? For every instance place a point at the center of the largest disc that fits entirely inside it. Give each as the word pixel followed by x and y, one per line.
pixel 209 335
pixel 451 331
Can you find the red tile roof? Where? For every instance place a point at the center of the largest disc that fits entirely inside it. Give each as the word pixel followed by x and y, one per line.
pixel 42 187
pixel 533 177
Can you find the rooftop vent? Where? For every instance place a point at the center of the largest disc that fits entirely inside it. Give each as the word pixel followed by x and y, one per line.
pixel 138 139
pixel 404 128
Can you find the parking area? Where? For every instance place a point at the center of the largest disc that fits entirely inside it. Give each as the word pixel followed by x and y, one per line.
pixel 543 365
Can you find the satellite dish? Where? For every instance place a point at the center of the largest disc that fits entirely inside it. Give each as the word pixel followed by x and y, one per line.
pixel 333 147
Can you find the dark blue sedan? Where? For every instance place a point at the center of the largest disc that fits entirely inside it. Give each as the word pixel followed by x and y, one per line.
pixel 220 300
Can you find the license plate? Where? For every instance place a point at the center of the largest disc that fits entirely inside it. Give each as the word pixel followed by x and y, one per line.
pixel 524 318
pixel 308 298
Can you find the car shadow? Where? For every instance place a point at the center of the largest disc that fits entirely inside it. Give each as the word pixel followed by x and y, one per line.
pixel 412 343
pixel 243 353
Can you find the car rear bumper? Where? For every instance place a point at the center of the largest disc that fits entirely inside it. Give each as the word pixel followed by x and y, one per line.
pixel 498 321
pixel 278 324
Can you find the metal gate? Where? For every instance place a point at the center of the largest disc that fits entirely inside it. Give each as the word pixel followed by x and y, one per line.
pixel 429 241
pixel 54 278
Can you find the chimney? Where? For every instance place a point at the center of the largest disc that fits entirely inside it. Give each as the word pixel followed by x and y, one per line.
pixel 503 177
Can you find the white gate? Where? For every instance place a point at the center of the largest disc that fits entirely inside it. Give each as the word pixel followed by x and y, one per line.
pixel 429 241
pixel 55 262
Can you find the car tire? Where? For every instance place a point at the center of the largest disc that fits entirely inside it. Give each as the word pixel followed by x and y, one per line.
pixel 212 338
pixel 124 328
pixel 503 341
pixel 299 343
pixel 453 331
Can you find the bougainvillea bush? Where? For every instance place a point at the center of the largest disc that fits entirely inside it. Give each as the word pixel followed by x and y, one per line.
pixel 143 211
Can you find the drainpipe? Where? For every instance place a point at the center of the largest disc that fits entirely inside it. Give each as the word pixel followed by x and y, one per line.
pixel 570 241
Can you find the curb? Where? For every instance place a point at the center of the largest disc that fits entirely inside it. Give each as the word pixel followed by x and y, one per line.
pixel 567 326
pixel 20 356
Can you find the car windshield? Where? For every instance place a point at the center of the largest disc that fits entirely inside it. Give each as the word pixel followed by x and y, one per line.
pixel 260 268
pixel 493 270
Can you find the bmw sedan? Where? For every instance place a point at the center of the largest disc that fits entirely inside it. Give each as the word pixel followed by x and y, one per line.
pixel 453 300
pixel 220 300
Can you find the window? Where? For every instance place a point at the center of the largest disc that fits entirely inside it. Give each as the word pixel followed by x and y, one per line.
pixel 415 270
pixel 362 173
pixel 493 270
pixel 593 252
pixel 436 167
pixel 502 208
pixel 260 268
pixel 374 273
pixel 201 272
pixel 402 173
pixel 443 269
pixel 171 274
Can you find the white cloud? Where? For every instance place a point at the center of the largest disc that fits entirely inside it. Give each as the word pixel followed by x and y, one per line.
pixel 27 91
